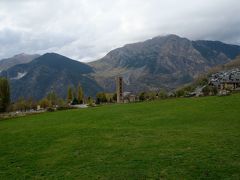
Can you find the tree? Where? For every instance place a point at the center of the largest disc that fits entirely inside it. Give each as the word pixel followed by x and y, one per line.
pixel 109 97
pixel 115 97
pixel 52 98
pixel 4 94
pixel 152 95
pixel 80 94
pixel 214 90
pixel 201 81
pixel 162 95
pixel 142 96
pixel 45 103
pixel 90 101
pixel 31 103
pixel 70 95
pixel 74 92
pixel 101 98
pixel 74 101
pixel 210 90
pixel 180 93
pixel 206 90
pixel 61 103
pixel 21 105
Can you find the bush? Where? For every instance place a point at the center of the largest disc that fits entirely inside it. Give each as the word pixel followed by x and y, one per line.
pixel 50 109
pixel 63 108
pixel 162 95
pixel 101 98
pixel 180 93
pixel 210 90
pixel 45 103
pixel 206 91
pixel 142 96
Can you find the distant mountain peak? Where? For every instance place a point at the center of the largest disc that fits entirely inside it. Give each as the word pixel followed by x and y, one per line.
pixel 53 54
pixel 168 36
pixel 17 59
pixel 24 55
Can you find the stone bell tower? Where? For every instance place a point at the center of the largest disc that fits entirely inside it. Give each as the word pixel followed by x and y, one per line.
pixel 119 89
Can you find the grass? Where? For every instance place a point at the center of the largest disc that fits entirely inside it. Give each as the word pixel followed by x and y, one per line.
pixel 195 138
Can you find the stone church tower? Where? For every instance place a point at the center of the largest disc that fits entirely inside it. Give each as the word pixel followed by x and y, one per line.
pixel 119 89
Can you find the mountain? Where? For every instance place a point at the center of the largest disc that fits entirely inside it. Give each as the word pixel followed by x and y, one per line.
pixel 50 72
pixel 233 64
pixel 162 62
pixel 17 59
pixel 225 67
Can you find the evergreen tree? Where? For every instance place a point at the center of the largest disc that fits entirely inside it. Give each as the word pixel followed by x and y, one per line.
pixel 74 101
pixel 4 94
pixel 80 95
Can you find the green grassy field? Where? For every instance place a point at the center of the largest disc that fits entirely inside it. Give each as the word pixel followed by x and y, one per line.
pixel 172 139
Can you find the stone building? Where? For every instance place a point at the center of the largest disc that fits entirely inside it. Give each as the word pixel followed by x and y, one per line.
pixel 119 89
pixel 229 80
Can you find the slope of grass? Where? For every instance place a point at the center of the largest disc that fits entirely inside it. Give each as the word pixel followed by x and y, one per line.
pixel 172 139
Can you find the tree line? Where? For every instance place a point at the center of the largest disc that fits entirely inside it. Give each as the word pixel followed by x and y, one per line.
pixel 51 101
pixel 4 94
pixel 75 96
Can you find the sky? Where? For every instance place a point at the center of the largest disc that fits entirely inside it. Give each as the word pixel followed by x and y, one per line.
pixel 86 30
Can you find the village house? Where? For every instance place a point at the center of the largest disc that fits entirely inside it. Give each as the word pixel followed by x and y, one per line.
pixel 129 97
pixel 226 80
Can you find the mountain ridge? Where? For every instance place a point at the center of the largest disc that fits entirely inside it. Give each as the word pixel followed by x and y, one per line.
pixel 17 59
pixel 49 72
pixel 161 62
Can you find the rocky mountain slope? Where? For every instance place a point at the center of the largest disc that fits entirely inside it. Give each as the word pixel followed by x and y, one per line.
pixel 17 59
pixel 162 62
pixel 50 72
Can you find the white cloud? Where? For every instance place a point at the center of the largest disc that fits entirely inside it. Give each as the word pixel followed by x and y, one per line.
pixel 88 29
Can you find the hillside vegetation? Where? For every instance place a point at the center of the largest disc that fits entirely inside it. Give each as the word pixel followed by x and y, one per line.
pixel 231 65
pixel 171 139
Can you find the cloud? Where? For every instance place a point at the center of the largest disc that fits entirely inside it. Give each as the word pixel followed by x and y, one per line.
pixel 88 29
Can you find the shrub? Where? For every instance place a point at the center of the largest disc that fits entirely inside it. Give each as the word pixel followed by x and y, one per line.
pixel 50 109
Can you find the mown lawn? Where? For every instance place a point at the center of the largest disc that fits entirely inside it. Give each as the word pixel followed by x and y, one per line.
pixel 195 138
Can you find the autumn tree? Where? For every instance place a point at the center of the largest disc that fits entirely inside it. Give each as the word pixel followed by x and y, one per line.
pixel 80 94
pixel 45 103
pixel 90 101
pixel 52 98
pixel 101 98
pixel 19 105
pixel 70 95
